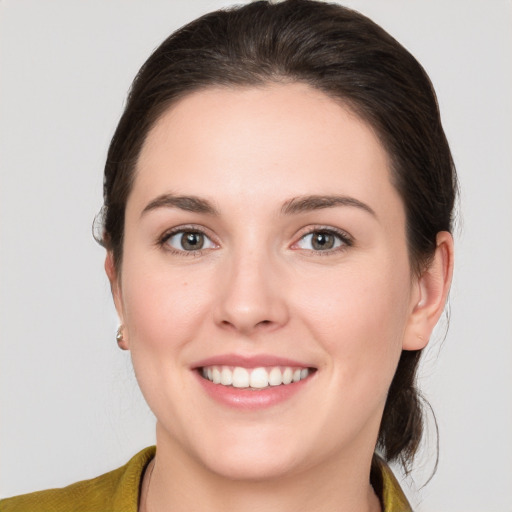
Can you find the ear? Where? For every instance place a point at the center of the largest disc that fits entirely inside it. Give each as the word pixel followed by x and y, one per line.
pixel 430 294
pixel 115 287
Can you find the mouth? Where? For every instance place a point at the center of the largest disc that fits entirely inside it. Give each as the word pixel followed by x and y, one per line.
pixel 259 378
pixel 252 382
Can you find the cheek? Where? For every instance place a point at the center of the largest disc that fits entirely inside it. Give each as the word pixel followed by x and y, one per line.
pixel 359 317
pixel 162 307
pixel 164 311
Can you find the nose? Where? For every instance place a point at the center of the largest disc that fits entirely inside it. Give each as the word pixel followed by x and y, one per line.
pixel 251 296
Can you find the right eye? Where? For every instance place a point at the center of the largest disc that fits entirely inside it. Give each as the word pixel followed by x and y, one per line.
pixel 188 241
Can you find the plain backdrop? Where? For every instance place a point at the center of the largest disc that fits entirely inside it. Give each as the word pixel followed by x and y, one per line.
pixel 69 405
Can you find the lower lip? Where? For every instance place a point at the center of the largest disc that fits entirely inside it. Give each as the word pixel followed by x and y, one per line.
pixel 250 399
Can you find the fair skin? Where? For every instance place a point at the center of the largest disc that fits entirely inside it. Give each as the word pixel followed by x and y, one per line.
pixel 300 254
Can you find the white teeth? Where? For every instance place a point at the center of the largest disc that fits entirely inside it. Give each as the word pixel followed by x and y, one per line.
pixel 257 378
pixel 287 376
pixel 216 376
pixel 240 378
pixel 275 377
pixel 226 377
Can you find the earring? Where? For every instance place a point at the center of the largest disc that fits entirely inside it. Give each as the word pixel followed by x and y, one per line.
pixel 120 339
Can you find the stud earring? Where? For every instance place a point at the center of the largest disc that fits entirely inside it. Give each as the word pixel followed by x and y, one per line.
pixel 120 339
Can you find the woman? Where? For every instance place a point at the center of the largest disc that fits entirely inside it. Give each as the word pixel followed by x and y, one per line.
pixel 277 216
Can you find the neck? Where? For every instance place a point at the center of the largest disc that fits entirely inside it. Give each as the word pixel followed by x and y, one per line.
pixel 179 483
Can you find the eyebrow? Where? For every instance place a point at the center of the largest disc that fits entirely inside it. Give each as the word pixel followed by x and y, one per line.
pixel 304 204
pixel 295 205
pixel 187 203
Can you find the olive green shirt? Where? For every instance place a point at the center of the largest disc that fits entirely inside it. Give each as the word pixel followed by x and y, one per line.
pixel 118 491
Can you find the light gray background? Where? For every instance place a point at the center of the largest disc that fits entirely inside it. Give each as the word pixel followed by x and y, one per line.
pixel 70 407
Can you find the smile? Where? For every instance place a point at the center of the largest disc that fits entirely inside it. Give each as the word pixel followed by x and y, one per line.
pixel 254 378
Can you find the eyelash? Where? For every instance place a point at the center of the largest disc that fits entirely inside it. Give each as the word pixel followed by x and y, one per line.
pixel 342 236
pixel 164 239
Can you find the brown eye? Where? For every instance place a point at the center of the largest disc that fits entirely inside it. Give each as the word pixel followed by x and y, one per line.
pixel 192 241
pixel 189 241
pixel 323 240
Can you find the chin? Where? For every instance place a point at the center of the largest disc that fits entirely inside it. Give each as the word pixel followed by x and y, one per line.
pixel 251 467
pixel 253 454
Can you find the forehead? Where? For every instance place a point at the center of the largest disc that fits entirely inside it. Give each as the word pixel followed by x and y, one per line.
pixel 274 141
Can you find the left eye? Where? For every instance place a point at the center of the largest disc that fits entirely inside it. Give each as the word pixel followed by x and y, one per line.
pixel 321 241
pixel 189 241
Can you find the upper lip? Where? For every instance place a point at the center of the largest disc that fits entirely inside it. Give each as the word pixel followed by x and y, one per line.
pixel 252 361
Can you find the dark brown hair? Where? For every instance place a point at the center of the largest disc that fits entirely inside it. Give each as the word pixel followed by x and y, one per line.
pixel 351 59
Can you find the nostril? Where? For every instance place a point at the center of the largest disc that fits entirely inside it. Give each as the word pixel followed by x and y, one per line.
pixel 264 323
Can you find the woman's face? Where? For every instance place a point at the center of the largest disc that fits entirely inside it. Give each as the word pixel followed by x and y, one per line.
pixel 264 241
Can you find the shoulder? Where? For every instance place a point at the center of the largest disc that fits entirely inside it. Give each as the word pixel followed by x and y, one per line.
pixel 387 487
pixel 116 491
